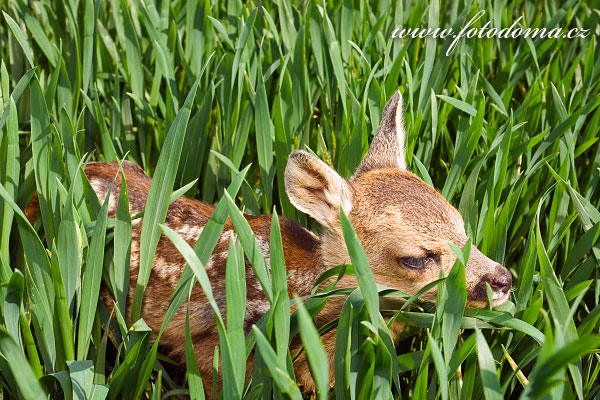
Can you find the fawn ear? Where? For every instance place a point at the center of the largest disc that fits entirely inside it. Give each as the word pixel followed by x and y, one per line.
pixel 316 189
pixel 387 147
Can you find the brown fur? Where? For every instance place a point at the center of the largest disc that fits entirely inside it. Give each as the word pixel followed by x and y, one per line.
pixel 397 217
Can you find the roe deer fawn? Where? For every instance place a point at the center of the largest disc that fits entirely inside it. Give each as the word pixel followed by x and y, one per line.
pixel 403 223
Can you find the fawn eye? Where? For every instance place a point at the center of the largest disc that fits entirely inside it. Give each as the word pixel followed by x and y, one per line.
pixel 415 262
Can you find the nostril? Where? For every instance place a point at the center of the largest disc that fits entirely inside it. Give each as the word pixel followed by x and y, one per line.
pixel 502 280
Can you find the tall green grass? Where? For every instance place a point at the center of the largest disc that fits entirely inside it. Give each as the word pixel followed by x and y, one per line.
pixel 217 94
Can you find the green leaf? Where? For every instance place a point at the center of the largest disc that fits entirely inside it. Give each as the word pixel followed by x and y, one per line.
pixel 315 352
pixel 456 293
pixel 277 371
pixel 541 377
pixel 440 366
pixel 11 174
pixel 119 273
pixel 28 385
pixel 235 287
pixel 491 385
pixel 158 197
pixel 264 144
pixel 365 277
pixel 38 282
pixel 251 247
pixel 280 312
pixel 465 147
pixel 193 374
pixel 92 275
pixel 21 39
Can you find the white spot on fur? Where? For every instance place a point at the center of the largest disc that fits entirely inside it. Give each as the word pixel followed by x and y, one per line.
pixel 226 235
pixel 209 264
pixel 168 271
pixel 265 250
pixel 99 189
pixel 257 307
pixel 134 260
pixel 114 200
pixel 498 295
pixel 190 232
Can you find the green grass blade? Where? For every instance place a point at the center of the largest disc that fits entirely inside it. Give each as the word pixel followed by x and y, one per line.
pixel 38 282
pixel 264 144
pixel 491 385
pixel 440 366
pixel 365 277
pixel 235 287
pixel 11 174
pixel 251 248
pixel 70 244
pixel 315 352
pixel 278 371
pixel 456 292
pixel 41 143
pixel 28 385
pixel 158 197
pixel 62 309
pixel 281 310
pixel 122 246
pixel 90 286
pixel 21 39
pixel 193 374
pixel 12 305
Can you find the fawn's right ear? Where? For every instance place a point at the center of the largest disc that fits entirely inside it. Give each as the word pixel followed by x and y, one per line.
pixel 316 189
pixel 387 147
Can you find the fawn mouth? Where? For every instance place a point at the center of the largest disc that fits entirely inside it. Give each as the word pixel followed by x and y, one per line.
pixel 500 298
pixel 477 297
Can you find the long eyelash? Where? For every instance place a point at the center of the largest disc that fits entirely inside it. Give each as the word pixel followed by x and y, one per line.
pixel 415 262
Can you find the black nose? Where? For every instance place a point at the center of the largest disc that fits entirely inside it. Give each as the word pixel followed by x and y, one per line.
pixel 502 280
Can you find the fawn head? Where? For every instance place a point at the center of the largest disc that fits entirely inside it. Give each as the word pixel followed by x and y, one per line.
pixel 404 224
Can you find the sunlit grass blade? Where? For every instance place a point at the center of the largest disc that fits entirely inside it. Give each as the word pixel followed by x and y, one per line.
pixel 440 366
pixel 264 143
pixel 230 388
pixel 235 285
pixel 251 247
pixel 315 352
pixel 10 152
pixel 21 38
pixel 122 246
pixel 28 385
pixel 456 292
pixel 39 284
pixel 363 271
pixel 41 143
pixel 204 247
pixel 90 282
pixel 559 306
pixel 276 369
pixel 491 385
pixel 158 197
pixel 193 375
pixel 62 309
pixel 281 310
pixel 70 254
pixel 542 375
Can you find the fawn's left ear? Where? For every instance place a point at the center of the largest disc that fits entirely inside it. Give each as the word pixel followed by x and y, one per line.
pixel 387 147
pixel 316 189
